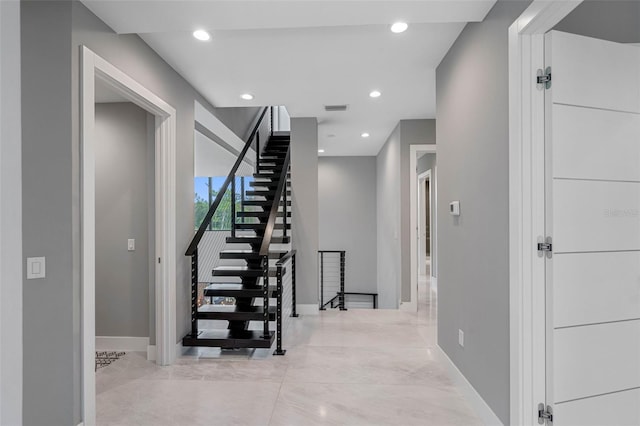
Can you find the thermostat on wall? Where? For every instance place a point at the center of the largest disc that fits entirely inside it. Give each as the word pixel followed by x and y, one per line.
pixel 454 208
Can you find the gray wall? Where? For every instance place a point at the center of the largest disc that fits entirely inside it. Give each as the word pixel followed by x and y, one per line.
pixel 393 211
pixel 473 165
pixel 388 221
pixel 428 162
pixel 347 216
pixel 52 33
pixel 122 212
pixel 238 119
pixel 304 206
pixel 609 20
pixel 10 217
pixel 51 305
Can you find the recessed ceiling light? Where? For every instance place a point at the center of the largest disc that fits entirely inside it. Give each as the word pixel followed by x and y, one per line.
pixel 247 96
pixel 365 135
pixel 399 27
pixel 201 35
pixel 320 151
pixel 375 94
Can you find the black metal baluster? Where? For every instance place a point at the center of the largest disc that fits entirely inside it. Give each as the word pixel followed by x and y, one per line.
pixel 233 207
pixel 279 350
pixel 258 152
pixel 265 296
pixel 242 207
pixel 285 208
pixel 342 264
pixel 293 286
pixel 322 281
pixel 194 294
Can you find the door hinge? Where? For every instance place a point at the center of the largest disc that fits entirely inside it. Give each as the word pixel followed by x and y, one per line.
pixel 543 79
pixel 545 247
pixel 545 415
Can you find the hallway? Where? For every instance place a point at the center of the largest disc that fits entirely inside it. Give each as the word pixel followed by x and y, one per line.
pixel 360 367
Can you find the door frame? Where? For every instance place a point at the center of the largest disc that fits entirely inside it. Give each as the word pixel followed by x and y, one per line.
pixel 527 207
pixel 422 193
pixel 94 67
pixel 412 305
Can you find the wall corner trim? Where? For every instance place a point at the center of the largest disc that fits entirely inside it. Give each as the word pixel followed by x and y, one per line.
pixel 479 406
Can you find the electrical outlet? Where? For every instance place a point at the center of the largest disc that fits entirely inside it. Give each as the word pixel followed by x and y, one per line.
pixel 131 244
pixel 461 338
pixel 36 268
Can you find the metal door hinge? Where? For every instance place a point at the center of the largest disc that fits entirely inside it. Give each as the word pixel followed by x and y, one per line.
pixel 545 415
pixel 543 79
pixel 545 247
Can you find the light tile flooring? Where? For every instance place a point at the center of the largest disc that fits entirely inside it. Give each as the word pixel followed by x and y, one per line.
pixel 360 367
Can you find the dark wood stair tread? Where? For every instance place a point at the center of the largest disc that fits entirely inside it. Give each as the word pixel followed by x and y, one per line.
pixel 249 254
pixel 234 312
pixel 263 193
pixel 257 240
pixel 237 290
pixel 263 203
pixel 240 271
pixel 259 226
pixel 261 214
pixel 230 339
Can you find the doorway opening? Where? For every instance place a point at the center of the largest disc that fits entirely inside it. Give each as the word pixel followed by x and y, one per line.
pixel 125 227
pixel 94 68
pixel 423 216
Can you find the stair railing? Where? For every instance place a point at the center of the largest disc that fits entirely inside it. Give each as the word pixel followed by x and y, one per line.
pixel 280 289
pixel 229 181
pixel 266 242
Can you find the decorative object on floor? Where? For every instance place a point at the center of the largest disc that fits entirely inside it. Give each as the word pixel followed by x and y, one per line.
pixel 106 358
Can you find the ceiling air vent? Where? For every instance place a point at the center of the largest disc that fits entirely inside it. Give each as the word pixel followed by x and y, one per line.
pixel 335 108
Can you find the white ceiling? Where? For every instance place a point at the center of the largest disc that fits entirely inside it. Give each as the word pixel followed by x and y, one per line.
pixel 305 54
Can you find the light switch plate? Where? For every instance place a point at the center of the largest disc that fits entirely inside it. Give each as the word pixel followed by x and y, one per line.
pixel 131 244
pixel 454 208
pixel 36 268
pixel 461 338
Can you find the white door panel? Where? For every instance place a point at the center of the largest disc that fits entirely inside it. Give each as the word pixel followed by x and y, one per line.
pixel 595 215
pixel 593 288
pixel 595 73
pixel 603 146
pixel 619 409
pixel 596 359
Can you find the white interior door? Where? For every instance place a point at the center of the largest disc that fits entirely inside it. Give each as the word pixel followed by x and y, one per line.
pixel 593 217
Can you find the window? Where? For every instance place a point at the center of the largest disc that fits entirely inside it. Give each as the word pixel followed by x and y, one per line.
pixel 206 191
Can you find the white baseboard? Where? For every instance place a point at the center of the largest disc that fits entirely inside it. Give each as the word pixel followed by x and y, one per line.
pixel 122 343
pixel 482 410
pixel 408 306
pixel 308 309
pixel 151 352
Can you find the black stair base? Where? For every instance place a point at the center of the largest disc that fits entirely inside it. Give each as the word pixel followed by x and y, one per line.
pixel 230 339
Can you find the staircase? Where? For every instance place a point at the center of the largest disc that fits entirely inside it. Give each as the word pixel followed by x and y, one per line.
pixel 253 233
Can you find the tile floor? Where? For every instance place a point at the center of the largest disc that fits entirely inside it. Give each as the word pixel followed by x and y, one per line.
pixel 360 367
